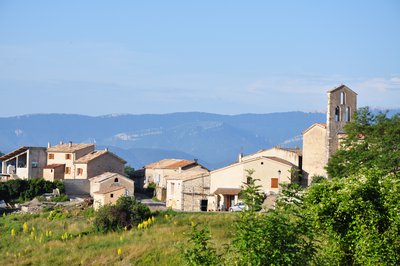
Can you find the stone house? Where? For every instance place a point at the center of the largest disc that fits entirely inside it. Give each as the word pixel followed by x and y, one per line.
pixel 79 161
pixel 108 195
pixel 108 179
pixel 321 141
pixel 226 183
pixel 189 190
pixel 23 163
pixel 158 172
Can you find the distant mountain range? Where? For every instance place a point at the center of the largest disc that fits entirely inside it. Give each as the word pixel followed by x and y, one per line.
pixel 214 139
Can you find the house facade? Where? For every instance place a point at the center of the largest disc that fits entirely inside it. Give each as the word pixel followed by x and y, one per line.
pixel 79 161
pixel 226 183
pixel 189 190
pixel 107 196
pixel 109 179
pixel 158 173
pixel 61 160
pixel 23 163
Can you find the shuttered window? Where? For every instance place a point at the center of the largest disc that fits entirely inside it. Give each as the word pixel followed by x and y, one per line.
pixel 274 182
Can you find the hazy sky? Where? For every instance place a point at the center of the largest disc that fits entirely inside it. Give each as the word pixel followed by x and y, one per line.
pixel 228 57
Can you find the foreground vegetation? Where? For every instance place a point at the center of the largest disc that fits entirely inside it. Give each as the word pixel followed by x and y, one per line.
pixel 70 239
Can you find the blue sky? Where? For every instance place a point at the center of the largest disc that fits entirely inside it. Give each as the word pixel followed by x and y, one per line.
pixel 227 57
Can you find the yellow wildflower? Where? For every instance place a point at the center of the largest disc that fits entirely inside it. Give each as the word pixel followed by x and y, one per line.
pixel 25 227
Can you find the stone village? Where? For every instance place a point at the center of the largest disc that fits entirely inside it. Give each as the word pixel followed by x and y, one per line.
pixel 186 185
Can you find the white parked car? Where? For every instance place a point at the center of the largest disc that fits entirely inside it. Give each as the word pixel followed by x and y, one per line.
pixel 238 207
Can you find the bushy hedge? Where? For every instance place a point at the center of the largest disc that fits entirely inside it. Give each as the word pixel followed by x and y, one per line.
pixel 126 213
pixel 27 189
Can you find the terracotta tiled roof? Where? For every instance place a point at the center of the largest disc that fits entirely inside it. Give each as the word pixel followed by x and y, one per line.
pixel 95 154
pixel 192 173
pixel 169 164
pixel 109 189
pixel 90 156
pixel 69 147
pixel 227 191
pixel 53 166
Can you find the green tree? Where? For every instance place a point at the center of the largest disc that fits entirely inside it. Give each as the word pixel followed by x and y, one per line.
pixel 372 141
pixel 200 252
pixel 357 218
pixel 279 237
pixel 129 171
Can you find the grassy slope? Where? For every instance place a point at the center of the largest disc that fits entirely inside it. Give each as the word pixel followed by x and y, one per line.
pixel 161 244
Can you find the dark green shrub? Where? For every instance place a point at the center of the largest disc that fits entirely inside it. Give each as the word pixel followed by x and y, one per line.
pixel 126 213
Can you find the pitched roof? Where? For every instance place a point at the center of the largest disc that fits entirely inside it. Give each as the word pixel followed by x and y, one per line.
pixel 69 147
pixel 294 150
pixel 192 173
pixel 109 189
pixel 169 164
pixel 227 191
pixel 53 166
pixel 275 159
pixel 95 154
pixel 279 160
pixel 105 176
pixel 341 86
pixel 18 151
pixel 314 125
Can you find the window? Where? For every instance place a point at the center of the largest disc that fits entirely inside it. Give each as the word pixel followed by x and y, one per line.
pixel 51 156
pixel 80 171
pixel 172 188
pixel 68 156
pixel 111 195
pixel 262 163
pixel 337 114
pixel 342 98
pixel 67 170
pixel 347 114
pixel 274 182
pixel 116 180
pixel 35 164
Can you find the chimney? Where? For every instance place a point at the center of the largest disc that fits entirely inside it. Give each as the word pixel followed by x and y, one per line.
pixel 195 161
pixel 106 149
pixel 48 144
pixel 61 142
pixel 240 157
pixel 70 144
pixel 180 170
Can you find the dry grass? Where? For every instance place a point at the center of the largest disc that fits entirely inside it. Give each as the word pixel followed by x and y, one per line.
pixel 161 244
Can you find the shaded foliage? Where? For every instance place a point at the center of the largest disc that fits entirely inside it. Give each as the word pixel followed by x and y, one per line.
pixel 27 189
pixel 372 141
pixel 126 213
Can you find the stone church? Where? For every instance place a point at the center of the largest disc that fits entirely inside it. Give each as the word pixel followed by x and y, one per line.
pixel 321 141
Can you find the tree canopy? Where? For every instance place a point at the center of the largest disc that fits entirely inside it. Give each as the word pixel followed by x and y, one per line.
pixel 372 141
